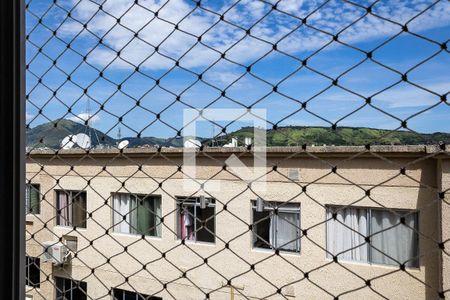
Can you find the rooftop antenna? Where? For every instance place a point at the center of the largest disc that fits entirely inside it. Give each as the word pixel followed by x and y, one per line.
pixel 68 142
pixel 119 133
pixel 89 129
pixel 213 136
pixel 123 144
pixel 192 143
pixel 83 140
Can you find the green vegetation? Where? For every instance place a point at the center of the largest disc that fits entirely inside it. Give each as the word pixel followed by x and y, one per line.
pixel 47 135
pixel 51 134
pixel 298 135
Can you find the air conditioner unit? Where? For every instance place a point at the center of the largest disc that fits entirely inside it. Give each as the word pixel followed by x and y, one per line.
pixel 57 253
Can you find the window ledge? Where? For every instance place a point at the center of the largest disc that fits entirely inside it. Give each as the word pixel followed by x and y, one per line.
pixel 31 217
pixel 372 265
pixel 139 236
pixel 272 251
pixel 60 227
pixel 189 242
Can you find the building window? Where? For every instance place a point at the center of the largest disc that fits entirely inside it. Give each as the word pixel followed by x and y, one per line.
pixel 32 272
pixel 277 226
pixel 71 208
pixel 67 289
pixel 137 214
pixel 32 199
pixel 391 242
pixel 196 223
pixel 119 294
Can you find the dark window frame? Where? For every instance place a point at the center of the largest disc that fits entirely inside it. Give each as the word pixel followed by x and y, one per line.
pixel 32 266
pixel 285 207
pixel 125 295
pixel 194 202
pixel 70 286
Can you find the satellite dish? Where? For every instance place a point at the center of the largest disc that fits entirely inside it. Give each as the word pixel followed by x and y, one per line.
pixel 69 141
pixel 83 140
pixel 191 143
pixel 123 144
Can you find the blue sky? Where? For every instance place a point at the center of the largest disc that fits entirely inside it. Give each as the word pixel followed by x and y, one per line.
pixel 328 104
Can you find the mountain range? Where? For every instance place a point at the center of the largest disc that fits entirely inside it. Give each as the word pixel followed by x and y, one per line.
pixel 51 134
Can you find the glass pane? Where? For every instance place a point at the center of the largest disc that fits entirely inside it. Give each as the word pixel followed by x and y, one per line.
pixel 346 234
pixel 205 224
pixel 288 237
pixel 261 229
pixel 79 209
pixel 145 217
pixel 394 243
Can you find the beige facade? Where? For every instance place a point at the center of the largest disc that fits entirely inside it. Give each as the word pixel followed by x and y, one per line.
pixel 102 262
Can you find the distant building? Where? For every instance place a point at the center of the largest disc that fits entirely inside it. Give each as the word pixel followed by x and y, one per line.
pixel 110 218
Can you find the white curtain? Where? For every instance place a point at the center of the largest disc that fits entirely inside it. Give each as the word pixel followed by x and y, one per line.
pixel 121 205
pixel 158 216
pixel 341 238
pixel 272 230
pixel 287 231
pixel 397 240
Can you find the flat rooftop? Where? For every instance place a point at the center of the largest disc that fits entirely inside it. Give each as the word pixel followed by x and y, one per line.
pixel 395 150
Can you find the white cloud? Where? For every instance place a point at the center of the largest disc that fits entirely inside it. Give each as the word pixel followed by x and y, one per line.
pixel 81 118
pixel 407 95
pixel 332 17
pixel 28 116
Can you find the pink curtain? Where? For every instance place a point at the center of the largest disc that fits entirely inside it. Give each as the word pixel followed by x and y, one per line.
pixel 187 226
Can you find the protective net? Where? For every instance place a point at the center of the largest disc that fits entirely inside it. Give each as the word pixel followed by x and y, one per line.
pixel 237 149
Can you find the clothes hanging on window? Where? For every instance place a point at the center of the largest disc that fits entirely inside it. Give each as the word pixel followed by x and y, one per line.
pixel 187 225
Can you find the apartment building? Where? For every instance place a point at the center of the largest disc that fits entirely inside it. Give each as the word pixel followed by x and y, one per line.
pixel 332 222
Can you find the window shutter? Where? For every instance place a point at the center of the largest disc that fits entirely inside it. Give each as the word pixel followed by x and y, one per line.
pixel 35 205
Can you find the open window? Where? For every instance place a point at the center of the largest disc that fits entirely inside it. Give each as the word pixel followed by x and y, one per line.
pixel 68 289
pixel 196 220
pixel 71 208
pixel 137 214
pixel 32 272
pixel 277 226
pixel 119 294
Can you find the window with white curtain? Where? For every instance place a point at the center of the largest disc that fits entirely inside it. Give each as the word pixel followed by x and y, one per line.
pixel 137 214
pixel 391 241
pixel 279 230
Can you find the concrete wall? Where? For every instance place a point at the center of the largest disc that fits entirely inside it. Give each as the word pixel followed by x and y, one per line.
pixel 388 187
pixel 444 179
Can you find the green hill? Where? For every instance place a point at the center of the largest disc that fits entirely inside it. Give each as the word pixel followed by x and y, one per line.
pixel 349 136
pixel 49 135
